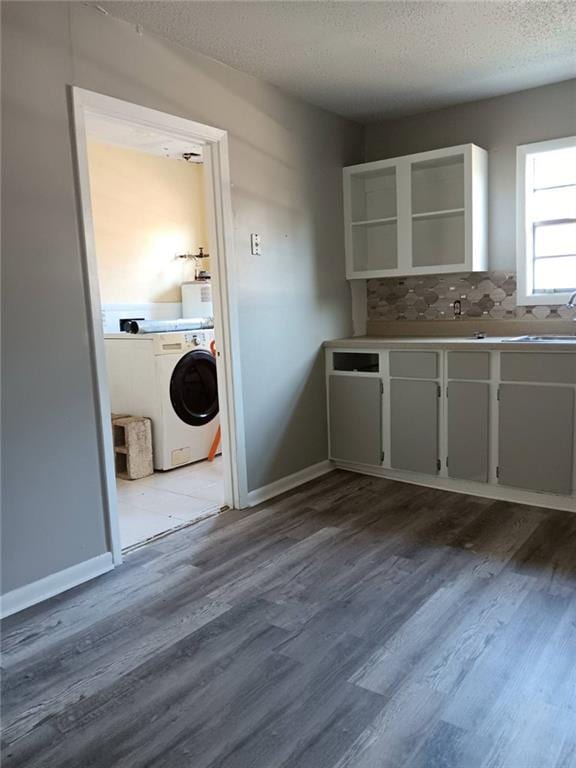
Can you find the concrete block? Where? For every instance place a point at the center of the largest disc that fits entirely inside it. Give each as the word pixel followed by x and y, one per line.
pixel 132 446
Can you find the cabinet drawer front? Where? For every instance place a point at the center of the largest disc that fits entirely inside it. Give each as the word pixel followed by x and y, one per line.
pixel 414 365
pixel 469 365
pixel 355 405
pixel 552 367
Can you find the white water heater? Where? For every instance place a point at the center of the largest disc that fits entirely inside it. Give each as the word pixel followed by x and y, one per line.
pixel 197 299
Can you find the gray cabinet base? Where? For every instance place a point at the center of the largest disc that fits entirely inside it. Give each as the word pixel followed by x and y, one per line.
pixel 468 422
pixel 414 425
pixel 536 437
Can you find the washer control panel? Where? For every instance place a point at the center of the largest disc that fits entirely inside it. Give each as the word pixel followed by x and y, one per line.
pixel 181 341
pixel 196 338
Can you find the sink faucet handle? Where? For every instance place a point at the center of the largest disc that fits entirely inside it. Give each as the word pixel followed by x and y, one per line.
pixel 571 303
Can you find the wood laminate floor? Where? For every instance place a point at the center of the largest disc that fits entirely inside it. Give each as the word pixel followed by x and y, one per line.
pixel 356 623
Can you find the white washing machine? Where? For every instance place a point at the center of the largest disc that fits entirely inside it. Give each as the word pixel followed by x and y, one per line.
pixel 171 378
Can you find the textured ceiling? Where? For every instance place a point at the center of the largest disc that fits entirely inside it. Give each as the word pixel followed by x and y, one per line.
pixel 374 60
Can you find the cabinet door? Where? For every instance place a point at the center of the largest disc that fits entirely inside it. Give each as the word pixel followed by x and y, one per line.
pixel 536 437
pixel 468 420
pixel 355 405
pixel 414 425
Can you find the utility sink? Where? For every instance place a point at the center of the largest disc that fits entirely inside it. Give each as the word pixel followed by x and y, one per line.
pixel 542 339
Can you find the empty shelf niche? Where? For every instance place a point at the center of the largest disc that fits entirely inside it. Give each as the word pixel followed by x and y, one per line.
pixel 438 240
pixel 375 246
pixel 373 195
pixel 438 185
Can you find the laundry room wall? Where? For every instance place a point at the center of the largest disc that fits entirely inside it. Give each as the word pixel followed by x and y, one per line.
pixel 146 210
pixel 286 159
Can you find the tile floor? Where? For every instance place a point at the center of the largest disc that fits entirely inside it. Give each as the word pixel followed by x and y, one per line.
pixel 166 500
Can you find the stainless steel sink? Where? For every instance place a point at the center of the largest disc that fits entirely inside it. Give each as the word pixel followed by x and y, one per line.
pixel 542 339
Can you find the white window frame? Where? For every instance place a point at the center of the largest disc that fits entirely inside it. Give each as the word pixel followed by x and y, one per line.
pixel 524 256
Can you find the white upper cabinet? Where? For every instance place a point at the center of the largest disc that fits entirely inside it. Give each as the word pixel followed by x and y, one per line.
pixel 418 214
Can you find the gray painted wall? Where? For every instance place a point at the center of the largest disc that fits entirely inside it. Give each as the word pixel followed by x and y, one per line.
pixel 498 125
pixel 286 160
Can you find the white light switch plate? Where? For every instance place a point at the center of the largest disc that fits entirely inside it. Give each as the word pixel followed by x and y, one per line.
pixel 255 248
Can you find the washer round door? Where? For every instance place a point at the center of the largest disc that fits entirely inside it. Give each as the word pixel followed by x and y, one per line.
pixel 194 388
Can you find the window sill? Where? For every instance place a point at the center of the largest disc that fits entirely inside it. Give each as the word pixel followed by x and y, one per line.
pixel 543 299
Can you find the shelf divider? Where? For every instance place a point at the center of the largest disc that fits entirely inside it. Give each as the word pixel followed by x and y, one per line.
pixel 438 214
pixel 387 220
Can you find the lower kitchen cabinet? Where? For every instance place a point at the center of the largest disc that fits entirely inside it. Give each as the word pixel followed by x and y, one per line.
pixel 414 425
pixel 468 430
pixel 522 439
pixel 536 437
pixel 355 409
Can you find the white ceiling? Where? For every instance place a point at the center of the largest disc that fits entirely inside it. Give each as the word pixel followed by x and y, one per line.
pixel 120 134
pixel 374 60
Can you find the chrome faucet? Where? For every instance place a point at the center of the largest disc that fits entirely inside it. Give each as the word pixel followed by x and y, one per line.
pixel 572 301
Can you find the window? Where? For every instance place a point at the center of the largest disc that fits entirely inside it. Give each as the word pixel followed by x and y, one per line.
pixel 546 221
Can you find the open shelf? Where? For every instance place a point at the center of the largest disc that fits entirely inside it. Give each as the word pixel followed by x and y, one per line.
pixel 373 195
pixel 438 240
pixel 375 246
pixel 438 184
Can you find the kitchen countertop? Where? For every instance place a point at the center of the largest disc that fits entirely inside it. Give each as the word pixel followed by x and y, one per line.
pixel 447 342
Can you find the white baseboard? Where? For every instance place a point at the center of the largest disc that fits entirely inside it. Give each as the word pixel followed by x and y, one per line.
pixel 469 487
pixel 266 492
pixel 30 594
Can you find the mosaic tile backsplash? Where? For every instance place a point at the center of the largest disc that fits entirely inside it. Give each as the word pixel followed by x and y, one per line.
pixel 484 295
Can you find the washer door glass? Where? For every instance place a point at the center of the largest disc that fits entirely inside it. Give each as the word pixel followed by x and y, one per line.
pixel 194 388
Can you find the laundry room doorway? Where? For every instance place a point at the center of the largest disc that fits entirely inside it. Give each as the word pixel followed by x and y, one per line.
pixel 156 224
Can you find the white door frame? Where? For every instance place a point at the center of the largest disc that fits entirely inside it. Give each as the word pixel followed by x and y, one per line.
pixel 219 212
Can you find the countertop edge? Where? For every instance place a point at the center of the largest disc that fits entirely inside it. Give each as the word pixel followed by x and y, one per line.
pixel 493 342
